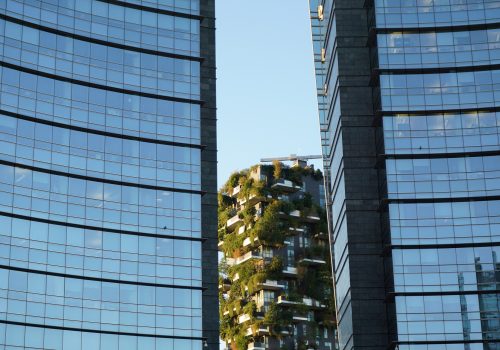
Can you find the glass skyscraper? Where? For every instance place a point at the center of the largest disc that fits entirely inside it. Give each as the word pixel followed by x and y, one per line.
pixel 107 175
pixel 409 102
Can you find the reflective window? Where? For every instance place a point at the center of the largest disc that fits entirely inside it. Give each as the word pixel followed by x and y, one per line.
pixel 15 337
pixel 55 100
pixel 443 177
pixel 98 64
pixel 451 317
pixel 98 156
pixel 97 253
pixel 95 305
pixel 188 6
pixel 99 204
pixel 444 49
pixel 449 222
pixel 440 91
pixel 442 133
pixel 432 13
pixel 113 23
pixel 446 269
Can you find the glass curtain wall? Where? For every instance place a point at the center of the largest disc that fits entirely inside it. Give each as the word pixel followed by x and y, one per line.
pixel 100 175
pixel 438 73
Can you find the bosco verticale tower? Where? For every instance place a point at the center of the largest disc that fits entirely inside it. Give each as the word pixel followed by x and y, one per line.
pixel 275 287
pixel 107 216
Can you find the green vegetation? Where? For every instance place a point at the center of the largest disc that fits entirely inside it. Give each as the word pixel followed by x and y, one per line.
pixel 265 214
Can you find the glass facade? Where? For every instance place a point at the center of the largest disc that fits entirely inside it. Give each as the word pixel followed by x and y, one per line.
pixel 101 145
pixel 444 254
pixel 431 67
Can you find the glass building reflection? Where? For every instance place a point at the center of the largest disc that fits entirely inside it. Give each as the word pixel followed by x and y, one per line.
pixel 104 125
pixel 408 104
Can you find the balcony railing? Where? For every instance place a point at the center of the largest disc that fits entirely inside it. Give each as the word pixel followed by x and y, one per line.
pixel 244 318
pixel 233 221
pixel 235 191
pixel 312 261
pixel 290 271
pixel 248 241
pixel 243 258
pixel 286 186
pixel 311 303
pixel 270 285
pixel 253 199
pixel 257 346
pixel 259 331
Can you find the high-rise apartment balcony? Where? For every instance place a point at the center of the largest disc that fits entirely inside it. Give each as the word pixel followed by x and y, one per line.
pixel 220 245
pixel 241 229
pixel 310 302
pixel 295 230
pixel 293 214
pixel 257 346
pixel 312 261
pixel 231 223
pixel 303 316
pixel 244 318
pixel 253 199
pixel 225 285
pixel 243 258
pixel 270 285
pixel 248 241
pixel 236 190
pixel 257 332
pixel 282 300
pixel 312 218
pixel 290 271
pixel 313 303
pixel 286 186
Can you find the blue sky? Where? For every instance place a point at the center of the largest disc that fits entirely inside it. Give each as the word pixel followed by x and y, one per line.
pixel 265 89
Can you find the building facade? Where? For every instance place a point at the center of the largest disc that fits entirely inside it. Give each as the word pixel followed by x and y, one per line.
pixel 107 175
pixel 275 288
pixel 408 101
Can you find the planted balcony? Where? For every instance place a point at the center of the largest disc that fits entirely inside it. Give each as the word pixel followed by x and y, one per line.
pixel 285 186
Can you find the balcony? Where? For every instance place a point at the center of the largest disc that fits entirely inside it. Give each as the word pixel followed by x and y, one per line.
pixel 257 332
pixel 244 318
pixel 295 230
pixel 321 235
pixel 270 285
pixel 293 214
pixel 252 200
pixel 303 317
pixel 241 229
pixel 312 218
pixel 313 303
pixel 285 186
pixel 225 285
pixel 235 191
pixel 220 245
pixel 248 241
pixel 231 223
pixel 257 346
pixel 312 261
pixel 283 301
pixel 290 271
pixel 243 258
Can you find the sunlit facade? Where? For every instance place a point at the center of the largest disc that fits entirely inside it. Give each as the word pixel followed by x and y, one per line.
pixel 409 98
pixel 104 125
